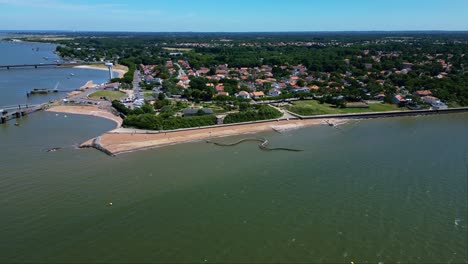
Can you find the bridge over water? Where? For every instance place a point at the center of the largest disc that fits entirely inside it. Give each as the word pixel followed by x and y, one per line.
pixel 44 65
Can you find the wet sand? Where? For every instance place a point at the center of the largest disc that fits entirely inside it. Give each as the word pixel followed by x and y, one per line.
pixel 87 110
pixel 121 141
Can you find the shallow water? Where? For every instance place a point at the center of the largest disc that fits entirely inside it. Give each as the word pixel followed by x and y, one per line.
pixel 16 83
pixel 387 190
pixel 373 191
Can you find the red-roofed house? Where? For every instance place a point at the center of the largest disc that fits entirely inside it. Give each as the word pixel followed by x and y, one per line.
pixel 257 94
pixel 219 88
pixel 399 99
pixel 423 92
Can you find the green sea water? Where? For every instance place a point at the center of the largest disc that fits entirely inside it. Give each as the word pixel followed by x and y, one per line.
pixel 388 190
pixel 384 190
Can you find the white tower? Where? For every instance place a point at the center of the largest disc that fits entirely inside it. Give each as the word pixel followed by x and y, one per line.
pixel 109 66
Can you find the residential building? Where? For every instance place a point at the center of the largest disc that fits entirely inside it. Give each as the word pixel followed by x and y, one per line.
pixel 257 94
pixel 114 85
pixel 430 100
pixel 380 97
pixel 407 65
pixel 301 90
pixel 398 99
pixel 274 92
pixel 423 93
pixel 243 95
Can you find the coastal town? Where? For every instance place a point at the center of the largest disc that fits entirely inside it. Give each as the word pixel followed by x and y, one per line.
pixel 366 85
pixel 195 85
pixel 239 131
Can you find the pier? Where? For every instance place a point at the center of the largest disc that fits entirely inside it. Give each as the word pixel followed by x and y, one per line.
pixel 18 111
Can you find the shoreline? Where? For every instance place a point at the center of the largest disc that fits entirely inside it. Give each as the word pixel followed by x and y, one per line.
pixel 86 110
pixel 121 72
pixel 122 140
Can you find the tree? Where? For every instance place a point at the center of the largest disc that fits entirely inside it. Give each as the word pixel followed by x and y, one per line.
pixel 158 104
pixel 198 83
pixel 147 108
pixel 244 106
pixel 300 83
pixel 212 71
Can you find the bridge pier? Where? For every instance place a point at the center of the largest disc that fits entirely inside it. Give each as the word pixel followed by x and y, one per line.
pixel 3 119
pixel 8 67
pixel 18 114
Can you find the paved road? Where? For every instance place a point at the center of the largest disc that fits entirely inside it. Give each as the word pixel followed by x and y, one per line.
pixel 136 85
pixel 82 98
pixel 286 114
pixel 181 71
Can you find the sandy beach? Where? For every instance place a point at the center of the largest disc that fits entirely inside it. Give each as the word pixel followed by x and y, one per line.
pixel 121 140
pixel 87 110
pixel 120 69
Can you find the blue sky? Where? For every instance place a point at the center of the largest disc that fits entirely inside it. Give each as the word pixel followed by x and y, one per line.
pixel 234 15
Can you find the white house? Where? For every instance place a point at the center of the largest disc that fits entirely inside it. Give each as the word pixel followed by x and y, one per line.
pixel 243 95
pixel 434 102
pixel 430 100
pixel 274 92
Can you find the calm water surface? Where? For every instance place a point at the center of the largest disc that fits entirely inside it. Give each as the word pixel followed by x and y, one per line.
pixel 384 190
pixel 15 83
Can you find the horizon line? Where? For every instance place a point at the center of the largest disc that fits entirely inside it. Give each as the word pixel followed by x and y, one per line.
pixel 289 31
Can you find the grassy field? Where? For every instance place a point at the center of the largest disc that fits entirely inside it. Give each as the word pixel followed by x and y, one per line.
pixel 148 94
pixel 313 107
pixel 110 95
pixel 217 109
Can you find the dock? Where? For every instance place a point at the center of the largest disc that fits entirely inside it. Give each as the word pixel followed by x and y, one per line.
pixel 15 112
